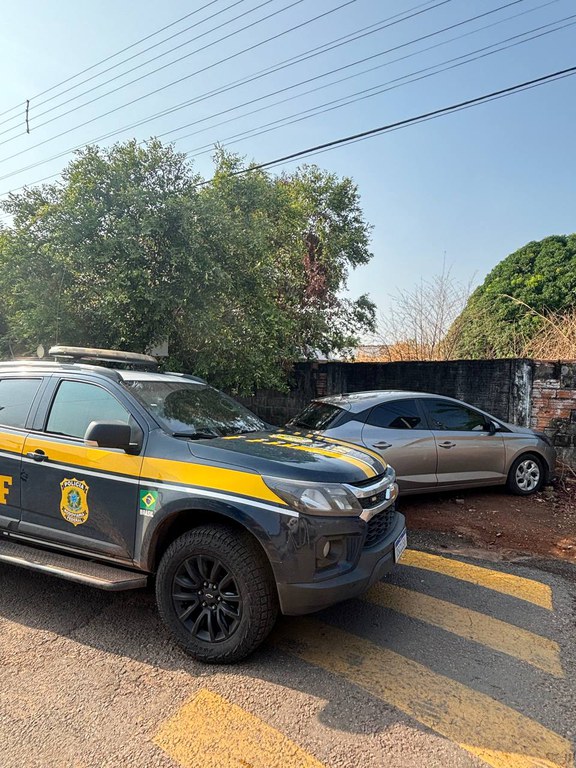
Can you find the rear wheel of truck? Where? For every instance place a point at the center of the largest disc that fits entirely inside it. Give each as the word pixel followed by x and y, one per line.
pixel 216 594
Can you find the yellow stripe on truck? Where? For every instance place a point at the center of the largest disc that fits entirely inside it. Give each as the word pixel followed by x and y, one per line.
pixel 220 479
pixel 153 469
pixel 366 467
pixel 11 443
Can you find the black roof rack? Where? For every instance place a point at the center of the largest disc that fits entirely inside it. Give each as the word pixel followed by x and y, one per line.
pixel 89 354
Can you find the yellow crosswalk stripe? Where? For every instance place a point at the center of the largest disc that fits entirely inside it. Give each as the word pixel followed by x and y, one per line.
pixel 506 583
pixel 491 731
pixel 527 646
pixel 211 732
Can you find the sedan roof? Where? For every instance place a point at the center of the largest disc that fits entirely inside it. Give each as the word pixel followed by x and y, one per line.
pixel 359 401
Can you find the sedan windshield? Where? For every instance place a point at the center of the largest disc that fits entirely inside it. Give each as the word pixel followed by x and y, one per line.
pixel 316 416
pixel 194 410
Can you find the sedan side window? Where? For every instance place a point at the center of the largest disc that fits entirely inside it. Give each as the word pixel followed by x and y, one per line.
pixel 397 414
pixel 444 414
pixel 16 397
pixel 77 404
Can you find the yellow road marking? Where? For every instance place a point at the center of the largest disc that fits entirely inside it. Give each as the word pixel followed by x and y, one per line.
pixel 471 625
pixel 210 732
pixel 495 733
pixel 517 586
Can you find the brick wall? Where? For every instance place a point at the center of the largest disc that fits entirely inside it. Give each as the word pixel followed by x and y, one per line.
pixel 532 393
pixel 554 405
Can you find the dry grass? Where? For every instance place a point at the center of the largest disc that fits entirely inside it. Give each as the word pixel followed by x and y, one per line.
pixel 556 340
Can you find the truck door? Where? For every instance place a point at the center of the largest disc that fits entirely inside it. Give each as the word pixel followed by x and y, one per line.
pixel 74 494
pixel 17 394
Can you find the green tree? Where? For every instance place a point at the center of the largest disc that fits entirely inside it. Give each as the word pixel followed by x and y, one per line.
pixel 242 275
pixel 500 316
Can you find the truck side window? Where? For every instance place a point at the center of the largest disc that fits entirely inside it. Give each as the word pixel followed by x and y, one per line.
pixel 77 404
pixel 397 414
pixel 16 397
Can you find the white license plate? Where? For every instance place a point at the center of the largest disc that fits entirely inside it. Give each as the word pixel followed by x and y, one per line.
pixel 400 545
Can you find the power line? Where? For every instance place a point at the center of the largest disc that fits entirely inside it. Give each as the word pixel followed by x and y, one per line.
pixel 400 124
pixel 108 58
pixel 158 69
pixel 332 45
pixel 263 73
pixel 118 64
pixel 113 133
pixel 349 77
pixel 329 145
pixel 195 73
pixel 377 90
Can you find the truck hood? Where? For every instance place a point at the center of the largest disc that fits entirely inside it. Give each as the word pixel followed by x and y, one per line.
pixel 289 454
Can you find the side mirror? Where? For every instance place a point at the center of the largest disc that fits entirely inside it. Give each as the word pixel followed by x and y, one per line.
pixel 494 427
pixel 109 434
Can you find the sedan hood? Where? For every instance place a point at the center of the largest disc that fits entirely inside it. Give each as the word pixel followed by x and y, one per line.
pixel 291 455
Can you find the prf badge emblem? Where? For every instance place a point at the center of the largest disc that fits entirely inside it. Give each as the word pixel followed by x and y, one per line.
pixel 74 501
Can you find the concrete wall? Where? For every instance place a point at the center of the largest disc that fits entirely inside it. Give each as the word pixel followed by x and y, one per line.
pixel 532 393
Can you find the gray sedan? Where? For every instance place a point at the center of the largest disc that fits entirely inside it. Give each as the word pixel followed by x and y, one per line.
pixel 435 443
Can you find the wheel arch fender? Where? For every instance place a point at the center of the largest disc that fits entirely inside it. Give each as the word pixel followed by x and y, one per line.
pixel 183 514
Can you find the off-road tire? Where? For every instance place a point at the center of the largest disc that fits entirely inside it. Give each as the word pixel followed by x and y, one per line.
pixel 252 580
pixel 532 469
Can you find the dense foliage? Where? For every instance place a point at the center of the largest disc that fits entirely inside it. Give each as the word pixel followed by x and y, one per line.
pixel 241 275
pixel 506 311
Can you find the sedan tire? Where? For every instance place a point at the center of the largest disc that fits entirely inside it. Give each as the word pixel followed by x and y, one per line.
pixel 526 475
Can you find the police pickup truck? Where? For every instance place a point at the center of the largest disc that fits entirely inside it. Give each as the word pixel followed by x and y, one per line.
pixel 113 472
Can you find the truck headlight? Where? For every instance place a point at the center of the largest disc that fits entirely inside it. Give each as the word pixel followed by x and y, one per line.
pixel 315 498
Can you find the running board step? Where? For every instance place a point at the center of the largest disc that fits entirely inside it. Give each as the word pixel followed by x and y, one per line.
pixel 71 568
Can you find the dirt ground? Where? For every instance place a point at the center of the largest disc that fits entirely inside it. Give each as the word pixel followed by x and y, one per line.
pixel 543 524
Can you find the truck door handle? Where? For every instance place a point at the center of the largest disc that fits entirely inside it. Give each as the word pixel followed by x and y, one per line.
pixel 382 444
pixel 446 444
pixel 37 455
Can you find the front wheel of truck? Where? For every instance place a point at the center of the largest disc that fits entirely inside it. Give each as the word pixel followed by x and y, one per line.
pixel 216 594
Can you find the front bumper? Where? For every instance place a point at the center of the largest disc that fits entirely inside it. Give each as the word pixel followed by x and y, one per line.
pixel 299 598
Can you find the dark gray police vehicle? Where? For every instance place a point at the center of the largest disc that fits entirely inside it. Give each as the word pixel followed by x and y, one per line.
pixel 113 472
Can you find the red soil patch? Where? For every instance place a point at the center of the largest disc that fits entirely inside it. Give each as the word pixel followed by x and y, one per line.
pixel 543 524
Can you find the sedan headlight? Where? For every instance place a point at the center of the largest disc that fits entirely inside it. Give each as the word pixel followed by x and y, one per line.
pixel 315 498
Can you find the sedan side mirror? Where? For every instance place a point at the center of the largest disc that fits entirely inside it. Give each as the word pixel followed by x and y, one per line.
pixel 110 434
pixel 494 427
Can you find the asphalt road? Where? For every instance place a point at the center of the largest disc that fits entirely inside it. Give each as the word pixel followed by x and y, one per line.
pixel 449 662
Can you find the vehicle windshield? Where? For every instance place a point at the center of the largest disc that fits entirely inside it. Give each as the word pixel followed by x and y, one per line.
pixel 194 410
pixel 316 416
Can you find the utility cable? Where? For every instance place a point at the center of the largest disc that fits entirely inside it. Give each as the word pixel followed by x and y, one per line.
pixel 110 134
pixel 193 74
pixel 343 79
pixel 376 90
pixel 391 85
pixel 108 58
pixel 158 69
pixel 469 103
pixel 114 66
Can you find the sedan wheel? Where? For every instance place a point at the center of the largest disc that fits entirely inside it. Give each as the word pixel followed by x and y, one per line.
pixel 526 475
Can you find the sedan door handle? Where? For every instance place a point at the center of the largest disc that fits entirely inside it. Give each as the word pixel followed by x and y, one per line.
pixel 382 444
pixel 37 455
pixel 446 444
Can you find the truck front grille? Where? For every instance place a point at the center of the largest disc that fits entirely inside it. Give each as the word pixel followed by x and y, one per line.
pixel 379 526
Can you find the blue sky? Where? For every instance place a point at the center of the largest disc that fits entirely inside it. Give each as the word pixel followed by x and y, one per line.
pixel 468 188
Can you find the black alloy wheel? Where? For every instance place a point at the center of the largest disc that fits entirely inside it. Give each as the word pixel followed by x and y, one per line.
pixel 207 599
pixel 216 593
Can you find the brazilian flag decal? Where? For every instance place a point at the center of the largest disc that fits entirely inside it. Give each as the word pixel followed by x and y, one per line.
pixel 148 500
